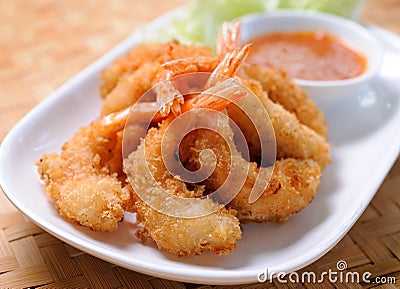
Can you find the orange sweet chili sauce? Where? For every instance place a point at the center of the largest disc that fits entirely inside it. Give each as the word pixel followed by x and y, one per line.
pixel 308 55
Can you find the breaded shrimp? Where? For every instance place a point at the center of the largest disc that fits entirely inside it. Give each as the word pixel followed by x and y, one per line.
pixel 146 53
pixel 129 77
pixel 293 139
pixel 83 178
pixel 169 97
pixel 139 55
pixel 216 232
pixel 130 87
pixel 292 186
pixel 282 90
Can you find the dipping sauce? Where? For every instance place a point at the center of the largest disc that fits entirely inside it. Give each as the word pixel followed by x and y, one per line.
pixel 307 55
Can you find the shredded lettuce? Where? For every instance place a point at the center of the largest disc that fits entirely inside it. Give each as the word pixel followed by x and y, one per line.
pixel 203 18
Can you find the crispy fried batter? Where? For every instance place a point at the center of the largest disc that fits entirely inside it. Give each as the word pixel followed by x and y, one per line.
pixel 130 76
pixel 79 178
pixel 293 184
pixel 293 139
pixel 130 87
pixel 138 56
pixel 216 232
pixel 146 53
pixel 282 90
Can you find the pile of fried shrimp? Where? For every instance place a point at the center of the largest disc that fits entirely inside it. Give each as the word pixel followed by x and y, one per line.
pixel 88 181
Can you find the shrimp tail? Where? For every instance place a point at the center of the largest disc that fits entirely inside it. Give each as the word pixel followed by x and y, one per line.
pixel 229 65
pixel 217 97
pixel 229 38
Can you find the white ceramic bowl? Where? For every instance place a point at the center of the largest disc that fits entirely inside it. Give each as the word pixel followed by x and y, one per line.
pixel 349 32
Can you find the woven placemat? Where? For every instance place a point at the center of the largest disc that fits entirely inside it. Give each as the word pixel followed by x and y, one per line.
pixel 30 257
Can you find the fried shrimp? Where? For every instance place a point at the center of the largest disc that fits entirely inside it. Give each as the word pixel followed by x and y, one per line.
pixel 139 55
pixel 147 53
pixel 168 97
pixel 293 183
pixel 293 139
pixel 292 186
pixel 129 88
pixel 129 77
pixel 83 178
pixel 282 90
pixel 133 85
pixel 216 232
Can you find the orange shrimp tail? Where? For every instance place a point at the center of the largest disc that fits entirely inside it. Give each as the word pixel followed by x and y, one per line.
pixel 228 38
pixel 217 97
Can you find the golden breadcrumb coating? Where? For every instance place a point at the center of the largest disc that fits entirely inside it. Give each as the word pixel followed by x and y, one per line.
pixel 293 139
pixel 292 186
pixel 216 232
pixel 130 87
pixel 83 178
pixel 281 89
pixel 132 75
pixel 146 53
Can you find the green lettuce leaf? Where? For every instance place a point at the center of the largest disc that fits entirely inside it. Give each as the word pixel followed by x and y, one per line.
pixel 203 18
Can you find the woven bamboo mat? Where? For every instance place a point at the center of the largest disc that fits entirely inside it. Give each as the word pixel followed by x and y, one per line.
pixel 38 53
